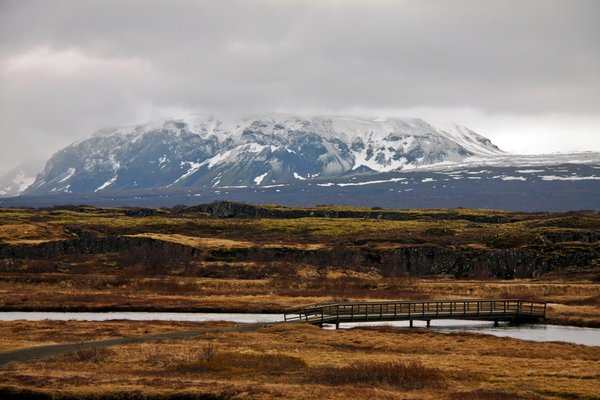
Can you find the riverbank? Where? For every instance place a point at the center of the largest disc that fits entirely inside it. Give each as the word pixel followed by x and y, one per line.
pixel 295 361
pixel 561 317
pixel 527 331
pixel 570 302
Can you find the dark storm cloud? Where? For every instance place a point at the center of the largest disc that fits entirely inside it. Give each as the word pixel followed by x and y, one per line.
pixel 70 67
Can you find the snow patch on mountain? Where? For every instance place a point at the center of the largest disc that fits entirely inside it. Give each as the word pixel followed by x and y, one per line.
pixel 219 158
pixel 569 178
pixel 163 161
pixel 106 184
pixel 67 175
pixel 258 180
pixel 370 182
pixel 529 171
pixel 193 167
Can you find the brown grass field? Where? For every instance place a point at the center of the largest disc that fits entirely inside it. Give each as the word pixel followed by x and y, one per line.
pixel 299 361
pixel 83 258
pixel 570 302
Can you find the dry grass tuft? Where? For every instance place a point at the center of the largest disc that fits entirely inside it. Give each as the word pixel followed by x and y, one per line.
pixel 492 395
pixel 89 355
pixel 262 364
pixel 405 375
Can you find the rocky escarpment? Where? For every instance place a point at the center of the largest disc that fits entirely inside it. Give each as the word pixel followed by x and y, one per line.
pixel 87 242
pixel 229 209
pixel 399 261
pixel 572 236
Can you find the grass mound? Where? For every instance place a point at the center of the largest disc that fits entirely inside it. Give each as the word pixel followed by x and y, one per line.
pixel 404 375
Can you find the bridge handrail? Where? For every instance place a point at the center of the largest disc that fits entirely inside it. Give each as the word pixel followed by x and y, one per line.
pixel 387 302
pixel 519 307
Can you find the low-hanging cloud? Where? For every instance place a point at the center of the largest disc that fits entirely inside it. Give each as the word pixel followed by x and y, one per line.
pixel 68 68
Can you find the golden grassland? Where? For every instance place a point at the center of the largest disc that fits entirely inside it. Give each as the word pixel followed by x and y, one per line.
pixel 287 361
pixel 52 224
pixel 23 334
pixel 210 277
pixel 570 303
pixel 299 361
pixel 109 280
pixel 196 242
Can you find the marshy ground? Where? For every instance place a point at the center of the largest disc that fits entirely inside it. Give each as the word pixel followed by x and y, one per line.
pixel 83 258
pixel 299 361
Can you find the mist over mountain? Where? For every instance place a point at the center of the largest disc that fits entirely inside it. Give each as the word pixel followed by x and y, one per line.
pixel 19 178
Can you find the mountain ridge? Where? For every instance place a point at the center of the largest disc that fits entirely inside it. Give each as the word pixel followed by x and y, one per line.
pixel 266 150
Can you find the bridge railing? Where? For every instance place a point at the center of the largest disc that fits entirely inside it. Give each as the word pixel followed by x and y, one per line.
pixel 426 309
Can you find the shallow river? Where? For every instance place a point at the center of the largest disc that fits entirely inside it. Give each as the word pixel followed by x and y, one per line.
pixel 536 332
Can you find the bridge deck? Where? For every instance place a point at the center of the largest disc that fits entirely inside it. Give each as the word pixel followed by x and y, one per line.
pixel 426 310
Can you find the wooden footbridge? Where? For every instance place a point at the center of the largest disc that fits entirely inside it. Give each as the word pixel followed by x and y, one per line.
pixel 515 311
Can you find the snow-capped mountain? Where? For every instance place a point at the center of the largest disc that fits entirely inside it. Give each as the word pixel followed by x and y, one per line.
pixel 262 151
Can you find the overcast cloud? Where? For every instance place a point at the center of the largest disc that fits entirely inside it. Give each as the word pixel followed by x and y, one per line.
pixel 524 73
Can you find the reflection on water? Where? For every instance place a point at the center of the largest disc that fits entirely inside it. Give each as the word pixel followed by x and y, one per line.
pixel 543 333
pixel 536 332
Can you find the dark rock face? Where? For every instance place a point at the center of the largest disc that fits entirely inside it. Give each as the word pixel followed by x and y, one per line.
pixel 460 262
pixel 228 209
pixel 88 243
pixel 560 242
pixel 572 236
pixel 469 263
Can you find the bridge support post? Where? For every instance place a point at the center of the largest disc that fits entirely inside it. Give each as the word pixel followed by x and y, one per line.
pixel 428 323
pixel 495 322
pixel 337 325
pixel 411 323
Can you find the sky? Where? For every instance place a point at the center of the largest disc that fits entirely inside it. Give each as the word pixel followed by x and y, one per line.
pixel 524 73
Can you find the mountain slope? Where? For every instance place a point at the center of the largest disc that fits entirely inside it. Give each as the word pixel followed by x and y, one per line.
pixel 258 152
pixel 19 178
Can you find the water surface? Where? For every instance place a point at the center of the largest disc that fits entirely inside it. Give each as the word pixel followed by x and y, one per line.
pixel 137 316
pixel 535 332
